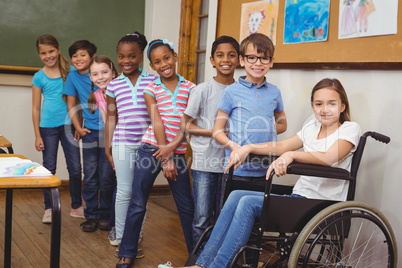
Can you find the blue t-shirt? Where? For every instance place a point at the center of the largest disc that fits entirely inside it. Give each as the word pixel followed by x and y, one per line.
pixel 251 117
pixel 54 108
pixel 80 85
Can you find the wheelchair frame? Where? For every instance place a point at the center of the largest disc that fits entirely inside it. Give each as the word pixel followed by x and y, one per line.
pixel 318 233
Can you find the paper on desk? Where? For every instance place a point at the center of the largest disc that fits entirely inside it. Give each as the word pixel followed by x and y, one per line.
pixel 16 167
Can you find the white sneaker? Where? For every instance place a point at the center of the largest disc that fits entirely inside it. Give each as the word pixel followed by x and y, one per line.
pixel 47 217
pixel 112 237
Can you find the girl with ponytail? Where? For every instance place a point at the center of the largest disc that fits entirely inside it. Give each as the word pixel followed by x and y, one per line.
pixel 52 123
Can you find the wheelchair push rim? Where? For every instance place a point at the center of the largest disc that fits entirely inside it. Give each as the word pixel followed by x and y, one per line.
pixel 347 234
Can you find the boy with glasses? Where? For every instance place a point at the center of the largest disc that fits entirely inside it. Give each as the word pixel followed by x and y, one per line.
pixel 252 106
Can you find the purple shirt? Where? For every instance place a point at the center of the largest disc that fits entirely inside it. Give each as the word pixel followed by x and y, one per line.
pixel 133 119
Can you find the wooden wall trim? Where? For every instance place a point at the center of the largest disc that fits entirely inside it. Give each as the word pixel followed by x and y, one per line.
pixel 156 189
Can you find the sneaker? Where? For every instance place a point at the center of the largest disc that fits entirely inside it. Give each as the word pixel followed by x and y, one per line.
pixel 166 265
pixel 89 225
pixel 140 254
pixel 112 237
pixel 47 217
pixel 103 224
pixel 77 212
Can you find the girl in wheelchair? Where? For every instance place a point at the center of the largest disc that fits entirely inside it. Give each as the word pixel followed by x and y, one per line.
pixel 330 139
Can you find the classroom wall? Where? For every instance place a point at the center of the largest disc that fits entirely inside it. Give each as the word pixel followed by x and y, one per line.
pixel 375 98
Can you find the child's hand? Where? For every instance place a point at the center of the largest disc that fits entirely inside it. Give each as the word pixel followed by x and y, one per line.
pixel 109 156
pixel 169 170
pixel 237 157
pixel 233 145
pixel 164 153
pixel 39 145
pixel 280 165
pixel 77 136
pixel 83 131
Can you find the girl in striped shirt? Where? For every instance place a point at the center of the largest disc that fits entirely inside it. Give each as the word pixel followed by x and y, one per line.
pixel 127 121
pixel 162 149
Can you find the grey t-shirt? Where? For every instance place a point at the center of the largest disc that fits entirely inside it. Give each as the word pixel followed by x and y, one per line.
pixel 208 154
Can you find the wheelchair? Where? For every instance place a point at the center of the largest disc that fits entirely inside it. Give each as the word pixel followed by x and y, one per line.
pixel 297 232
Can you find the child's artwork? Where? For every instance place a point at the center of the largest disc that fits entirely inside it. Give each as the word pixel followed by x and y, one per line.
pixel 360 18
pixel 16 167
pixel 306 21
pixel 259 17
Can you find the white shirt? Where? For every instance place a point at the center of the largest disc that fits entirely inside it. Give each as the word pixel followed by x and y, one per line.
pixel 323 188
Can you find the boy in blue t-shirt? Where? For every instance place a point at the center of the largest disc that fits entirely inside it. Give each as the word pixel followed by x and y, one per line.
pixel 252 106
pixel 208 155
pixel 98 173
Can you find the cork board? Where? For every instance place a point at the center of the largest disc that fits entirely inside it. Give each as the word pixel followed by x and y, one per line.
pixel 377 52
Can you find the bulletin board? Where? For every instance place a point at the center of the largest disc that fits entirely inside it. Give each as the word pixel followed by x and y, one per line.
pixel 377 52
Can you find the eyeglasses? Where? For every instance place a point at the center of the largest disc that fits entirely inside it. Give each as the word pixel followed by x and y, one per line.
pixel 253 59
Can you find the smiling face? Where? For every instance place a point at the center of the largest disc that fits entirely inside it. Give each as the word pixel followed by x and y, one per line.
pixel 255 71
pixel 101 74
pixel 81 60
pixel 225 59
pixel 327 106
pixel 129 57
pixel 163 61
pixel 49 55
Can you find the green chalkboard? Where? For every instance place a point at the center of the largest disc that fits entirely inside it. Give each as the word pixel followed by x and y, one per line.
pixel 103 22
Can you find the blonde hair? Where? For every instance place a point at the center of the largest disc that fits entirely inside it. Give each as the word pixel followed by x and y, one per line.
pixel 50 40
pixel 108 62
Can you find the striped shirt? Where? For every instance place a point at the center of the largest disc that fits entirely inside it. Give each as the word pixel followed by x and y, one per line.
pixel 133 119
pixel 171 107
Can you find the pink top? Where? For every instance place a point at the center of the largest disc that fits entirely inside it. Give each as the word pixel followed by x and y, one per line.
pixel 101 103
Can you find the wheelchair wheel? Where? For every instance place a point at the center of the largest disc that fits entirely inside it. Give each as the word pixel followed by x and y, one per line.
pixel 346 234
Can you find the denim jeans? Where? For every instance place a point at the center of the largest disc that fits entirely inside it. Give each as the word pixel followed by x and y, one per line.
pixel 146 170
pixel 124 163
pixel 51 138
pixel 206 196
pixel 98 175
pixel 233 228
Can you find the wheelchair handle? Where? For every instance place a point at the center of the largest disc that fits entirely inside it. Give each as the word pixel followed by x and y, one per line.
pixel 378 137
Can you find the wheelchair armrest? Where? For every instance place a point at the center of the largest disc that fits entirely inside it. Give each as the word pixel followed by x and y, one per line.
pixel 261 159
pixel 319 171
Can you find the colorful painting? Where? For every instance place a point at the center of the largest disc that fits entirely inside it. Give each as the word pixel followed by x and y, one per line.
pixel 306 21
pixel 259 17
pixel 360 18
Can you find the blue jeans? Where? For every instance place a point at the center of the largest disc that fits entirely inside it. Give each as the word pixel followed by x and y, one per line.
pixel 146 170
pixel 233 228
pixel 98 175
pixel 206 196
pixel 51 138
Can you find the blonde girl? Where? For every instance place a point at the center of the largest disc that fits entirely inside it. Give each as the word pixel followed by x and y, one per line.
pixel 52 123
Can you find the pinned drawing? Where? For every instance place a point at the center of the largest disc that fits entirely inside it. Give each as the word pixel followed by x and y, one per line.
pixel 306 21
pixel 259 17
pixel 360 18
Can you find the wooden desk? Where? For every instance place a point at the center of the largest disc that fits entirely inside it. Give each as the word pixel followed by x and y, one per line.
pixel 5 143
pixel 48 183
